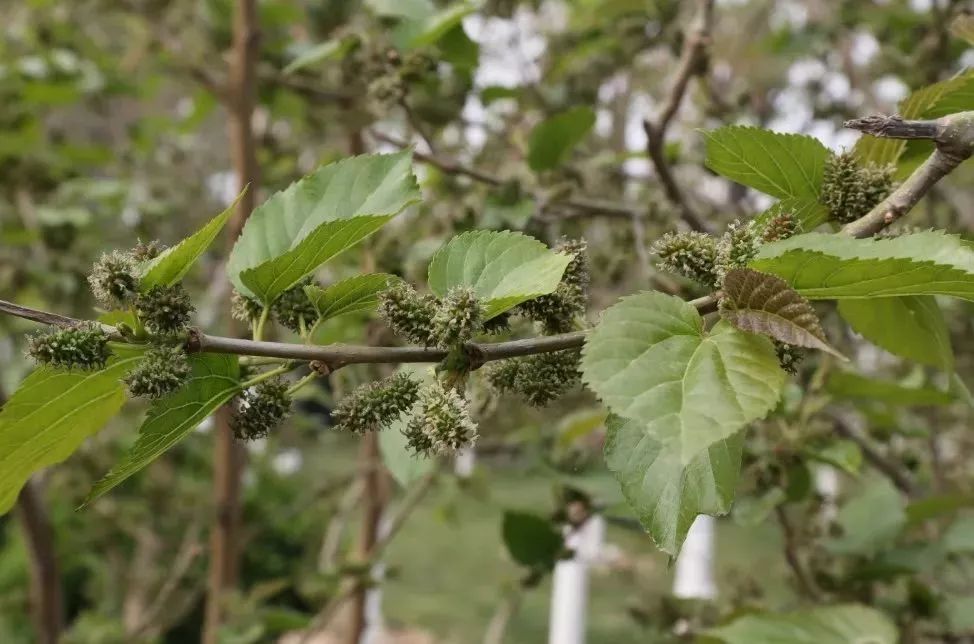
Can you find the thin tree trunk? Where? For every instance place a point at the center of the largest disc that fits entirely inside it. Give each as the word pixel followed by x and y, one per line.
pixel 46 600
pixel 228 457
pixel 373 499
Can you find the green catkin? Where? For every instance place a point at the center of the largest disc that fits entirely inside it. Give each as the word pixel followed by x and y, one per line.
pixel 557 311
pixel 243 308
pixel 113 280
pixel 261 409
pixel 293 307
pixel 162 371
pixel 690 254
pixel 539 379
pixel 498 324
pixel 457 318
pixel 849 190
pixel 781 226
pixel 375 405
pixel 84 347
pixel 440 423
pixel 164 309
pixel 408 313
pixel 738 246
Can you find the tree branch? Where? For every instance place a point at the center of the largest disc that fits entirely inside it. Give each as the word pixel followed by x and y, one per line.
pixel 693 62
pixel 877 459
pixel 588 206
pixel 954 138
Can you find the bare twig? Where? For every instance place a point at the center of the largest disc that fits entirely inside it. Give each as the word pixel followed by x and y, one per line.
pixel 46 597
pixel 693 62
pixel 587 206
pixel 874 457
pixel 805 582
pixel 954 138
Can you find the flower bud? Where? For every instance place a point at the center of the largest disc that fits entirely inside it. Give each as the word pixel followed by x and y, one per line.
pixel 144 251
pixel 789 356
pixel 849 190
pixel 781 226
pixel 736 248
pixel 243 308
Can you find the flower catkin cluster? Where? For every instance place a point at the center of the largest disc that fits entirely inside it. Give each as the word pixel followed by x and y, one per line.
pixel 243 308
pixel 738 246
pixel 163 370
pixel 557 311
pixel 457 318
pixel 780 226
pixel 850 190
pixel 408 313
pixel 293 308
pixel 540 378
pixel 789 356
pixel 441 422
pixel 690 254
pixel 164 309
pixel 113 279
pixel 374 406
pixel 84 346
pixel 261 409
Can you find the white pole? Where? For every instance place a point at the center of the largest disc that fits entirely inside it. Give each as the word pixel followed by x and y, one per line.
pixel 569 593
pixel 694 575
pixel 464 463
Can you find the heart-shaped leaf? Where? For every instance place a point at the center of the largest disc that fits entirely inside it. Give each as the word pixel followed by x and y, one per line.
pixel 666 493
pixel 760 303
pixel 650 360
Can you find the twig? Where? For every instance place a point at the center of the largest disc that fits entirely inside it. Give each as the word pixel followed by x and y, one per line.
pixel 416 494
pixel 588 206
pixel 805 581
pixel 954 138
pixel 693 62
pixel 888 468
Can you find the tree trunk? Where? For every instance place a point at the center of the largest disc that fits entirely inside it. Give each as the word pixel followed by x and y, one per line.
pixel 46 600
pixel 228 457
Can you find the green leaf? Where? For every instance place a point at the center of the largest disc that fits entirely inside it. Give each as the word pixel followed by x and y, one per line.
pixel 214 381
pixel 823 266
pixel 318 217
pixel 841 624
pixel 503 268
pixel 432 28
pixel 933 507
pixel 552 140
pixel 334 49
pixel 845 384
pixel 781 165
pixel 960 614
pixel 841 453
pixel 920 332
pixel 531 540
pixel 760 303
pixel 963 27
pixel 49 416
pixel 752 511
pixel 404 466
pixel 666 493
pixel 870 521
pixel 650 360
pixel 959 537
pixel 173 263
pixel 352 295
